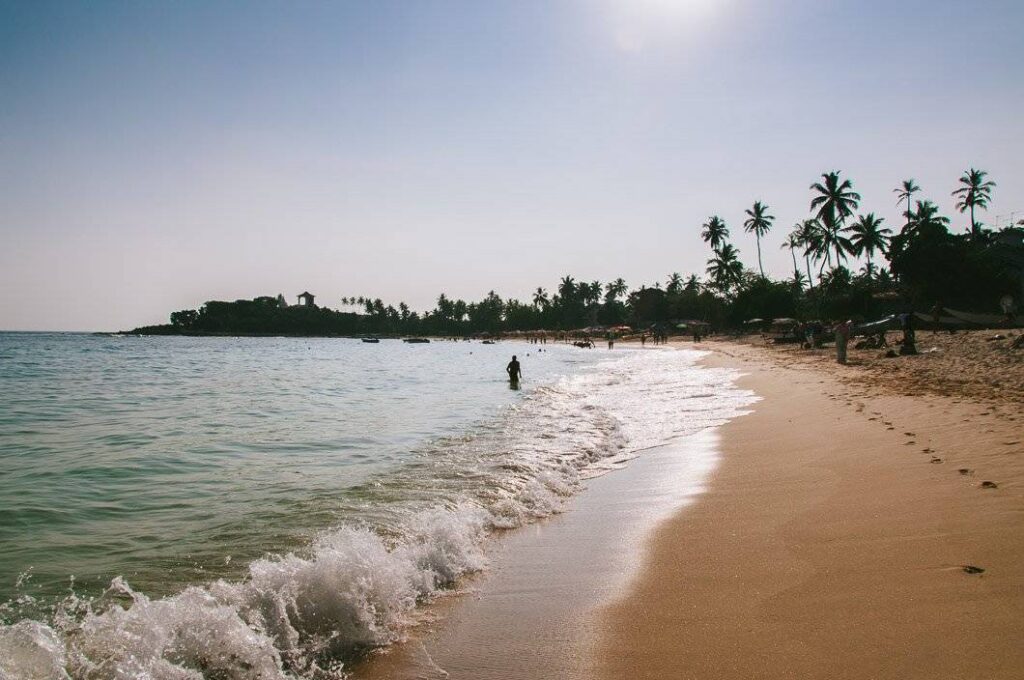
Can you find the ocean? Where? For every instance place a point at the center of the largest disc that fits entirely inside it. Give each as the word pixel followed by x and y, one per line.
pixel 275 507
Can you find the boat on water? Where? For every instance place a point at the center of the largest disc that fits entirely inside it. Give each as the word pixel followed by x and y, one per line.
pixel 487 342
pixel 371 339
pixel 415 340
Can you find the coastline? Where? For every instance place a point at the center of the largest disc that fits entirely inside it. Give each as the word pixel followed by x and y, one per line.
pixel 833 539
pixel 531 613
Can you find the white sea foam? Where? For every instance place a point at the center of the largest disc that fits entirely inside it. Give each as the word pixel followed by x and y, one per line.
pixel 358 587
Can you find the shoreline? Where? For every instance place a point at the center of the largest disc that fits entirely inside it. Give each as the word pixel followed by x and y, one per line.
pixel 530 613
pixel 834 541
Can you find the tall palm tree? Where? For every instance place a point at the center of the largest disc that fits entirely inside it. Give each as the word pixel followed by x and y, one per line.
pixel 715 232
pixel 833 240
pixel 869 236
pixel 759 222
pixel 905 192
pixel 540 298
pixel 692 284
pixel 792 242
pixel 836 201
pixel 975 191
pixel 725 268
pixel 810 240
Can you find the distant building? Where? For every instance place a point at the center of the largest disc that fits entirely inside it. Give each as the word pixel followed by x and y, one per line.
pixel 306 300
pixel 281 302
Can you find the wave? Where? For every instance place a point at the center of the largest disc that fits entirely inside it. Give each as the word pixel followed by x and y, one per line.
pixel 413 535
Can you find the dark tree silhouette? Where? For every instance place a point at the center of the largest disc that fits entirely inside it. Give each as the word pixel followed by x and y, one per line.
pixel 715 232
pixel 835 202
pixel 759 222
pixel 975 192
pixel 869 237
pixel 905 192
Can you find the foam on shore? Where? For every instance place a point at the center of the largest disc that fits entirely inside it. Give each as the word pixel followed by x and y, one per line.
pixel 358 585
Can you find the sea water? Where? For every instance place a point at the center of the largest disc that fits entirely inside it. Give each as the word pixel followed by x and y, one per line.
pixel 275 507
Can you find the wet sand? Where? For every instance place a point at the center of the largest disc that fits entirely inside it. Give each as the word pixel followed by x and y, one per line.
pixel 850 531
pixel 532 613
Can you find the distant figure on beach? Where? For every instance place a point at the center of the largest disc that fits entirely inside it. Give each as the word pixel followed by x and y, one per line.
pixel 515 372
pixel 908 344
pixel 842 331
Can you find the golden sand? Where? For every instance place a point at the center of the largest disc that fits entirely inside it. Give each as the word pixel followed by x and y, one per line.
pixel 866 521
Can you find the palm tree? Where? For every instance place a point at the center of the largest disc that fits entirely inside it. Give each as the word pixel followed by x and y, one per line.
pixel 540 298
pixel 832 239
pixel 869 236
pixel 674 283
pixel 567 288
pixel 835 202
pixel 725 268
pixel 692 284
pixel 615 289
pixel 715 232
pixel 975 191
pixel 793 242
pixel 759 222
pixel 810 240
pixel 926 218
pixel 906 191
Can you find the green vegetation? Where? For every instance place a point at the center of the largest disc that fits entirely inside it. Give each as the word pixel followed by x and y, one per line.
pixel 926 263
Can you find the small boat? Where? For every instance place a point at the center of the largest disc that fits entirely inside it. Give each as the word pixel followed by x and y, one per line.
pixel 371 339
pixel 487 342
pixel 415 341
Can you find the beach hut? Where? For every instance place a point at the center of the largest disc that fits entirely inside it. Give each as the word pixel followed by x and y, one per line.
pixel 306 299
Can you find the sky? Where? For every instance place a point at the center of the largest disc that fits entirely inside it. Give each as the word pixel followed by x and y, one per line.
pixel 156 155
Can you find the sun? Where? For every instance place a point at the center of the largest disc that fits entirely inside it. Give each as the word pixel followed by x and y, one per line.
pixel 676 8
pixel 638 24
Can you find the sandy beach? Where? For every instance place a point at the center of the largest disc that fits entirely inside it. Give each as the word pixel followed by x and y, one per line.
pixel 865 522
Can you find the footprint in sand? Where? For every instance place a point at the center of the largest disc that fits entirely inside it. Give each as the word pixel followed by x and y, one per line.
pixel 971 569
pixel 965 471
pixel 989 485
pixel 910 443
pixel 935 460
pixel 909 434
pixel 926 450
pixel 890 428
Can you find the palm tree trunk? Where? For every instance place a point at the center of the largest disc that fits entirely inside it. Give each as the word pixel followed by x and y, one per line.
pixel 974 226
pixel 807 261
pixel 793 255
pixel 759 255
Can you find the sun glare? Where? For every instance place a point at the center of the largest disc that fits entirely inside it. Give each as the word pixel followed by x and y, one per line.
pixel 637 24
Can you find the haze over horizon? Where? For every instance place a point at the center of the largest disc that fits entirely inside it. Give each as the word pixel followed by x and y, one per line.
pixel 157 155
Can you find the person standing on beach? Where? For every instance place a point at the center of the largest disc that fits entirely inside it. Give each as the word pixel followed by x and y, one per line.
pixel 842 332
pixel 515 372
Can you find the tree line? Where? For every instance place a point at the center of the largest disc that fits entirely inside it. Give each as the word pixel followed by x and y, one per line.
pixel 924 263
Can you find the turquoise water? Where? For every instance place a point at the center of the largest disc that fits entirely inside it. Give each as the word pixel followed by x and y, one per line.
pixel 274 507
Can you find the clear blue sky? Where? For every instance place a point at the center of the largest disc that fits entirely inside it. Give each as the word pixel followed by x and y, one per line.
pixel 156 155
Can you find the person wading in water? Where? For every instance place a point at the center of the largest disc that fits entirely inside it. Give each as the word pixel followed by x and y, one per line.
pixel 515 372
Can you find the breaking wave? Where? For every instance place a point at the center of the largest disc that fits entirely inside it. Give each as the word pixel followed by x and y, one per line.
pixel 410 536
